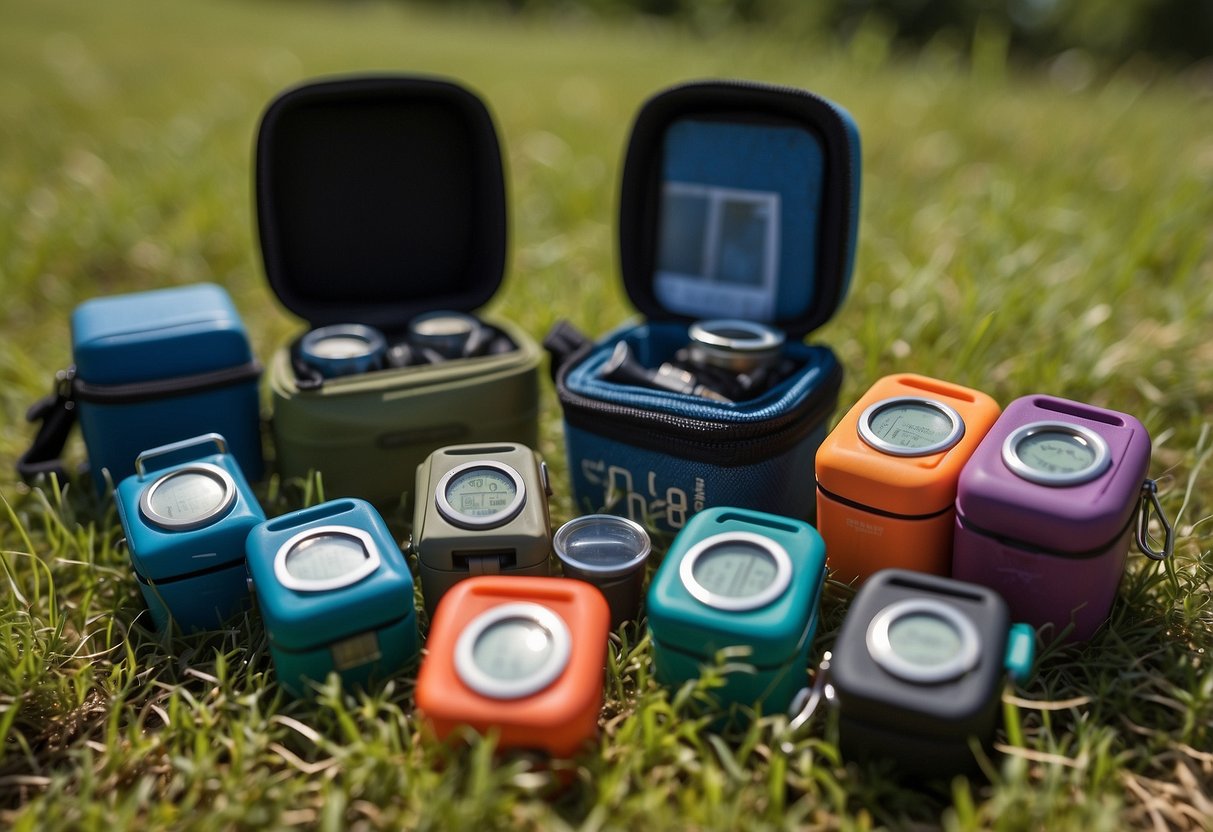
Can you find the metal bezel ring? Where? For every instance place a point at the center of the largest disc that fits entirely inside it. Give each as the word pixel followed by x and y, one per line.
pixel 491 521
pixel 1011 458
pixel 491 686
pixel 206 469
pixel 350 578
pixel 760 346
pixel 870 438
pixel 775 589
pixel 881 650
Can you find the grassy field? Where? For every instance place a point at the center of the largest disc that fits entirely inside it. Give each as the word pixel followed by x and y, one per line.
pixel 1024 230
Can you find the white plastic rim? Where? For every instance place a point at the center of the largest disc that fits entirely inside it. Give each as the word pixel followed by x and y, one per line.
pixel 883 653
pixel 730 603
pixel 559 639
pixel 327 584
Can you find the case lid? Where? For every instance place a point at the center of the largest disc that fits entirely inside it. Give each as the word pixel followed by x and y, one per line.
pixel 159 334
pixel 379 198
pixel 740 200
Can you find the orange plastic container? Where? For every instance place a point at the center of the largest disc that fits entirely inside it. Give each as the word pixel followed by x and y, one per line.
pixel 887 474
pixel 520 655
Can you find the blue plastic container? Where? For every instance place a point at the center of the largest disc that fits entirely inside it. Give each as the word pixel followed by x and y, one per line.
pixel 335 594
pixel 162 366
pixel 186 513
pixel 739 578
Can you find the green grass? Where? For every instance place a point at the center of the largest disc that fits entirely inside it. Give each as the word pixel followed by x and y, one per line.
pixel 1018 235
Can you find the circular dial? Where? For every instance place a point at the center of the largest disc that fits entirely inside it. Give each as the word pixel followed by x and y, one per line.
pixel 188 498
pixel 326 557
pixel 481 494
pixel 513 650
pixel 736 571
pixel 923 640
pixel 1056 453
pixel 910 426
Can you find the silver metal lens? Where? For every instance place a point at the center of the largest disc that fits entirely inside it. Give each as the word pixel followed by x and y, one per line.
pixel 343 349
pixel 733 344
pixel 446 333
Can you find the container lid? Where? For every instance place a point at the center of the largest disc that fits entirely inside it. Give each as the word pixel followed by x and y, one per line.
pixel 158 334
pixel 379 198
pixel 740 200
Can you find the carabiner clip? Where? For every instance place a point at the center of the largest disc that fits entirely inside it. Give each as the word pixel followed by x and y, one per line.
pixel 807 700
pixel 1149 502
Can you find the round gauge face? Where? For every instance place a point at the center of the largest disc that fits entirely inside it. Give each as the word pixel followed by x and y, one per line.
pixel 735 569
pixel 481 492
pixel 187 497
pixel 340 346
pixel 1056 452
pixel 513 649
pixel 910 426
pixel 925 639
pixel 326 557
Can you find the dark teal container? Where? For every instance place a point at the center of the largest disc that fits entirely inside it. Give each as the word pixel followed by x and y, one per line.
pixel 335 594
pixel 739 578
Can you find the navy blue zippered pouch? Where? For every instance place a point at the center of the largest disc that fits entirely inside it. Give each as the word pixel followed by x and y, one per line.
pixel 739 200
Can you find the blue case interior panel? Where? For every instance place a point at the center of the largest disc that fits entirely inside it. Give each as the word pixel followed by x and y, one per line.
pixel 739 219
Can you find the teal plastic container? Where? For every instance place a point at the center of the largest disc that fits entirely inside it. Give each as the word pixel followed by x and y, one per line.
pixel 186 513
pixel 737 577
pixel 335 594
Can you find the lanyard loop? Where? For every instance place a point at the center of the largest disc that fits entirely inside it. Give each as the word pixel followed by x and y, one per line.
pixel 807 700
pixel 1149 503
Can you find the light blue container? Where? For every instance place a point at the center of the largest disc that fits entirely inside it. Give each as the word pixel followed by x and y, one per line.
pixel 162 366
pixel 736 577
pixel 186 513
pixel 335 594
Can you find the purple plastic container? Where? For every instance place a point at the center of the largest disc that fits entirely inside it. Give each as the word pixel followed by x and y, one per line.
pixel 1045 510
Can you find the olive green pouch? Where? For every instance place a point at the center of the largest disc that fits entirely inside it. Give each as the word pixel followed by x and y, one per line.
pixel 379 199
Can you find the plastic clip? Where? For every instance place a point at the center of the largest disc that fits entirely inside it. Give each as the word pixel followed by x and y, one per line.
pixel 807 700
pixel 1149 502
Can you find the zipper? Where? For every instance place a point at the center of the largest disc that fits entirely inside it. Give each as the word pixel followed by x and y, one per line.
pixel 721 443
pixel 142 391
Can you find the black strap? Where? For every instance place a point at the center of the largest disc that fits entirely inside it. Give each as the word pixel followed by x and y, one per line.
pixel 57 414
pixel 562 342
